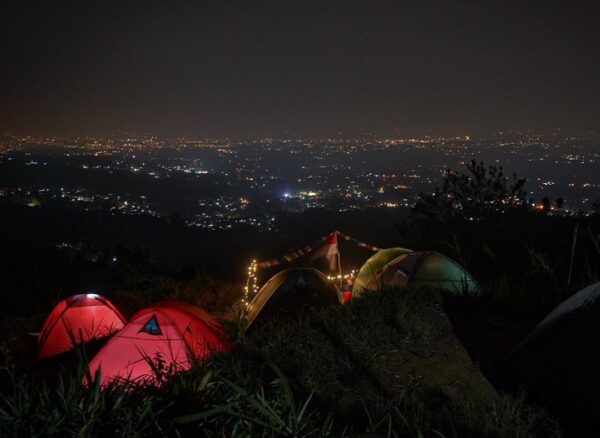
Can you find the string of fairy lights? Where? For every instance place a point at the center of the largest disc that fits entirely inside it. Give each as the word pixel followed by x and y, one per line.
pixel 251 283
pixel 251 287
pixel 351 274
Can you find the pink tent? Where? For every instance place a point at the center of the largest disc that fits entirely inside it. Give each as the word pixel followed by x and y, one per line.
pixel 171 335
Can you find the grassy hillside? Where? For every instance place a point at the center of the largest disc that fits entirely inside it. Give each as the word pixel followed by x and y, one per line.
pixel 389 364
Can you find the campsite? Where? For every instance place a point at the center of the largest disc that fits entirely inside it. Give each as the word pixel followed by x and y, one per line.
pixel 307 219
pixel 335 337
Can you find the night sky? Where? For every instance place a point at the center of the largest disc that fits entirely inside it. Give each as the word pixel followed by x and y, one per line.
pixel 308 68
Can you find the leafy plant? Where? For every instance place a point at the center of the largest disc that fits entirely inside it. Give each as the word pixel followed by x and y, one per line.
pixel 473 195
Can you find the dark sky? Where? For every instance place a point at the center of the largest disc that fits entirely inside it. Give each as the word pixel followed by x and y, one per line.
pixel 309 67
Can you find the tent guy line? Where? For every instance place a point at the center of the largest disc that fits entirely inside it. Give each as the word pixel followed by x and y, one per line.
pixel 293 255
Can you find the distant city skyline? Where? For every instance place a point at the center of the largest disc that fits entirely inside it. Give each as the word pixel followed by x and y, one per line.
pixel 221 184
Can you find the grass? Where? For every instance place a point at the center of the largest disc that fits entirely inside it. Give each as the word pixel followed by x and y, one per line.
pixel 374 367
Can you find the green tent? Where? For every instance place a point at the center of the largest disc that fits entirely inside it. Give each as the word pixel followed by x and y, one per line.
pixel 290 293
pixel 424 268
pixel 372 268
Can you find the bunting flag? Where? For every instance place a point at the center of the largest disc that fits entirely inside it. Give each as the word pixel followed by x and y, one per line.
pixel 290 257
pixel 358 242
pixel 329 251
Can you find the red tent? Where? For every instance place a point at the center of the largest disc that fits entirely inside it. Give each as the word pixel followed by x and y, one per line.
pixel 174 332
pixel 80 318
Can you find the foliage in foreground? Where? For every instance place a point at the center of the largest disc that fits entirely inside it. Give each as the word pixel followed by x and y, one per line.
pixel 279 381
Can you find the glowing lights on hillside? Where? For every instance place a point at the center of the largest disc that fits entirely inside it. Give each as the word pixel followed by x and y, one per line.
pixel 251 283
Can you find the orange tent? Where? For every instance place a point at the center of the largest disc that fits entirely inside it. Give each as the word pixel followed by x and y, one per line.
pixel 77 319
pixel 171 334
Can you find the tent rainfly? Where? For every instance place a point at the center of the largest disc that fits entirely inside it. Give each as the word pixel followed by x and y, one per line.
pixel 290 292
pixel 559 361
pixel 171 332
pixel 425 268
pixel 371 270
pixel 75 320
pixel 581 301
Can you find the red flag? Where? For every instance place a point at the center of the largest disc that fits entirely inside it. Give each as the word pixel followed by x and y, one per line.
pixel 329 250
